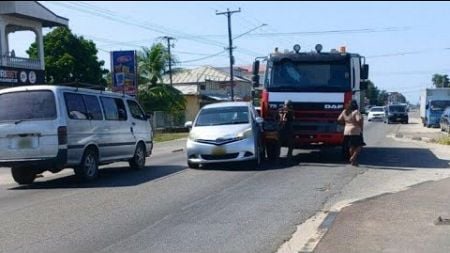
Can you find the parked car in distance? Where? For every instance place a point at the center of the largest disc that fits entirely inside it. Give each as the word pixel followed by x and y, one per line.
pixel 225 132
pixel 55 127
pixel 396 113
pixel 376 113
pixel 445 120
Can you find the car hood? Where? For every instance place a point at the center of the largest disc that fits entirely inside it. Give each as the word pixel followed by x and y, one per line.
pixel 217 132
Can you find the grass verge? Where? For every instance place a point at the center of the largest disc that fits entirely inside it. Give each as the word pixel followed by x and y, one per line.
pixel 161 137
pixel 444 140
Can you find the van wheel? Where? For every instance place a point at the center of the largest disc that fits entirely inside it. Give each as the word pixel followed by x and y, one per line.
pixel 138 160
pixel 193 165
pixel 88 168
pixel 23 175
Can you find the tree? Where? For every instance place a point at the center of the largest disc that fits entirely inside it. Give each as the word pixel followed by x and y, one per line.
pixel 440 81
pixel 70 58
pixel 372 93
pixel 153 93
pixel 382 98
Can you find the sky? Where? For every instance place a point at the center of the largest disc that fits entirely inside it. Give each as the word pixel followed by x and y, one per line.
pixel 404 43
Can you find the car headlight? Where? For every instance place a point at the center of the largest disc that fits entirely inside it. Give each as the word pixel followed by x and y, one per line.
pixel 192 136
pixel 247 133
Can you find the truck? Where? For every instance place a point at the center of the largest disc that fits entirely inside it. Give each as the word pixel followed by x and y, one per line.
pixel 318 85
pixel 433 102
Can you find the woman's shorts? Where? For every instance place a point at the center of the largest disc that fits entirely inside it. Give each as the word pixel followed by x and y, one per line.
pixel 354 140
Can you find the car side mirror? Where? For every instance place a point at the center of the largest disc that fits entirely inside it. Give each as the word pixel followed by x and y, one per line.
pixel 148 116
pixel 188 124
pixel 259 120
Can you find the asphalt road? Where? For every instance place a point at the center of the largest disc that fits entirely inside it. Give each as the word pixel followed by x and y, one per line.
pixel 169 208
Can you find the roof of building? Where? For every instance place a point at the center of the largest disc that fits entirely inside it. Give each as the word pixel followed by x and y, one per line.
pixel 32 10
pixel 200 75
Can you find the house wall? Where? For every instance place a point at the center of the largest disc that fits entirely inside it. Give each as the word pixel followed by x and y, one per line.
pixel 192 107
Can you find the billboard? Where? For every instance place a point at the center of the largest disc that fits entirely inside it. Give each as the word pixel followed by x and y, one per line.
pixel 124 72
pixel 19 76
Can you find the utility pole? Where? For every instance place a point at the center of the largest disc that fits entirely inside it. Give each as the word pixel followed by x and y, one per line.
pixel 170 56
pixel 230 48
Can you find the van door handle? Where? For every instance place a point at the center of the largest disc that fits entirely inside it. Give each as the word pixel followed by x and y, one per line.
pixel 131 129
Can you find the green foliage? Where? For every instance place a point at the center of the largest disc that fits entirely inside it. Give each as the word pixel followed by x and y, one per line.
pixel 70 58
pixel 440 81
pixel 161 97
pixel 153 94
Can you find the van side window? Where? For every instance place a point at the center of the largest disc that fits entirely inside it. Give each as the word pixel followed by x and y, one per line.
pixel 75 106
pixel 114 108
pixel 136 110
pixel 93 107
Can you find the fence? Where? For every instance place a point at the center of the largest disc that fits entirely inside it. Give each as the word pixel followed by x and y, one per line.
pixel 164 120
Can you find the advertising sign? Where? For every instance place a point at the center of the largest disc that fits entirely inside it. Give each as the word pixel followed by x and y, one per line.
pixel 17 76
pixel 124 72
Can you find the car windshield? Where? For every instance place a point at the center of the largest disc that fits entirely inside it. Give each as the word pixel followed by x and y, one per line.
pixel 397 108
pixel 439 105
pixel 301 76
pixel 377 109
pixel 223 116
pixel 27 105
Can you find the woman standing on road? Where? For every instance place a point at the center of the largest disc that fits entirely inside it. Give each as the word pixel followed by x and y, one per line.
pixel 353 121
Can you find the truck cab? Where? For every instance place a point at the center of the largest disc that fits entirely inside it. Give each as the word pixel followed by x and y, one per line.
pixel 318 85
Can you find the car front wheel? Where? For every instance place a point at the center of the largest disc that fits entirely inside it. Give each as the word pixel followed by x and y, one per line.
pixel 193 165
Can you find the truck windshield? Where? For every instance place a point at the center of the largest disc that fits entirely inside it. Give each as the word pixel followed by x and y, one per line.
pixel 27 105
pixel 439 105
pixel 307 76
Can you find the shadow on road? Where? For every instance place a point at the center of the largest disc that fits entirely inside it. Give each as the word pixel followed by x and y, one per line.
pixel 108 177
pixel 401 158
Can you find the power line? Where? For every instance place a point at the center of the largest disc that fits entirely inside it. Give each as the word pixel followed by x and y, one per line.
pixel 203 58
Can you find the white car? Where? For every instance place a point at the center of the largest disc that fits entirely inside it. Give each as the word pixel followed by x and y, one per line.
pixel 225 132
pixel 376 113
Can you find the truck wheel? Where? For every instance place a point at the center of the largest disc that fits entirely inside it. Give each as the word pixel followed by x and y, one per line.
pixel 23 175
pixel 138 160
pixel 88 168
pixel 273 151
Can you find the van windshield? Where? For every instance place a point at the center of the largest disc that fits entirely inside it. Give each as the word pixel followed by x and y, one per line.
pixel 27 105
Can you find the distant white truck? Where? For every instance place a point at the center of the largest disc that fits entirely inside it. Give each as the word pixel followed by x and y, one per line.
pixel 432 103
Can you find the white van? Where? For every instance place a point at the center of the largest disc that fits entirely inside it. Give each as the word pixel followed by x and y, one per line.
pixel 47 127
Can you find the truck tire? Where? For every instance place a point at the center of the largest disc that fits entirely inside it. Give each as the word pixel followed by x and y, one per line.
pixel 23 175
pixel 273 151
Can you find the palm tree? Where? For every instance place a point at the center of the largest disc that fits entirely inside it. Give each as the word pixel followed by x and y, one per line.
pixel 152 62
pixel 440 81
pixel 153 93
